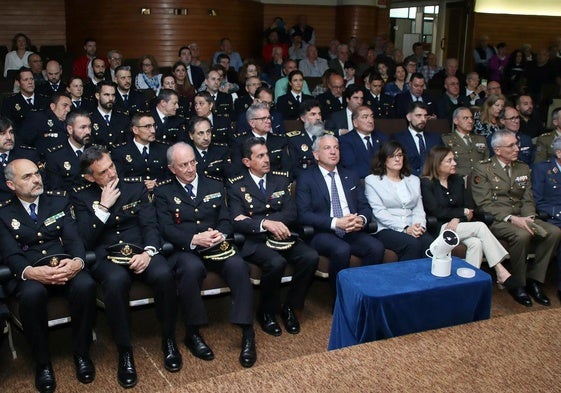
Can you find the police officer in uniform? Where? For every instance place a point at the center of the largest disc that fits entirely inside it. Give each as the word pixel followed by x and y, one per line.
pixel 501 186
pixel 117 221
pixel 62 164
pixel 212 161
pixel 109 127
pixel 263 209
pixel 170 127
pixel 193 216
pixel 128 101
pixel 468 148
pixel 40 243
pixel 380 103
pixel 142 156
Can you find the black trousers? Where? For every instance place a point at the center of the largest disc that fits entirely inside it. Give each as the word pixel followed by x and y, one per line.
pixel 272 264
pixel 33 297
pixel 116 281
pixel 190 273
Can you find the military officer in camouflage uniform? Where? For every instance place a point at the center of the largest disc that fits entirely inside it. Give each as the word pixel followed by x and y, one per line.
pixel 544 149
pixel 468 148
pixel 501 186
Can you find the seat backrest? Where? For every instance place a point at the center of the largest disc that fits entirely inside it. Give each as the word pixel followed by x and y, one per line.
pixel 390 126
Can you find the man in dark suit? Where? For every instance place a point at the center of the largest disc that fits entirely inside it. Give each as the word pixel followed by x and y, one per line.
pixel 264 211
pixel 243 102
pixel 127 100
pixel 117 221
pixel 332 100
pixel 109 127
pixel 54 83
pixel 212 161
pixel 450 100
pixel 259 119
pixel 415 142
pixel 170 127
pixel 223 104
pixel 338 64
pixel 195 74
pixel 264 95
pixel 142 156
pixel 358 147
pixel 416 93
pixel 331 199
pixel 382 105
pixel 46 128
pixel 9 152
pixel 16 107
pixel 193 216
pixel 341 121
pixel 99 75
pixel 40 243
pixel 62 164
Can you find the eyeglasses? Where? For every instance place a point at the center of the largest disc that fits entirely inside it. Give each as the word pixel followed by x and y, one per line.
pixel 148 126
pixel 513 118
pixel 398 155
pixel 265 118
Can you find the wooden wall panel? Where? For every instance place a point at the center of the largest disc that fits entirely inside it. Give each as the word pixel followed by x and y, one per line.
pixel 357 21
pixel 516 30
pixel 42 21
pixel 120 25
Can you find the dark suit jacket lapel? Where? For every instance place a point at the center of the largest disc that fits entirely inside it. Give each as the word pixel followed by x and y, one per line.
pixel 321 185
pixel 347 186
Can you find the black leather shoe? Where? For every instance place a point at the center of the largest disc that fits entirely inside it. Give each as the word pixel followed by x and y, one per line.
pixel 520 295
pixel 126 372
pixel 534 289
pixel 269 324
pixel 290 321
pixel 248 355
pixel 172 357
pixel 85 370
pixel 198 347
pixel 45 379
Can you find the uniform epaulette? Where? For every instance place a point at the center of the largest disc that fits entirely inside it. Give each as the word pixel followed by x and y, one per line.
pixel 56 193
pixel 119 145
pixel 485 161
pixel 281 173
pixel 213 177
pixel 5 203
pixel 293 133
pixel 235 179
pixel 136 179
pixel 328 132
pixel 163 142
pixel 164 182
pixel 27 147
pixel 81 188
pixel 546 134
pixel 54 148
pixel 237 135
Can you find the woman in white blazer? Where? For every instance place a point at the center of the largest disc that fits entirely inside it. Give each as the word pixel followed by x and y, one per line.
pixel 395 198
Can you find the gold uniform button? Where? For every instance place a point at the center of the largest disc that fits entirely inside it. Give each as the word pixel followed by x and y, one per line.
pixel 39 234
pixel 196 210
pixel 198 222
pixel 44 252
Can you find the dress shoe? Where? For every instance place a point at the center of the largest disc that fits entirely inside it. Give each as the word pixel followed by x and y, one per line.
pixel 290 321
pixel 509 283
pixel 126 372
pixel 85 370
pixel 520 295
pixel 172 357
pixel 248 355
pixel 269 324
pixel 534 289
pixel 45 379
pixel 198 347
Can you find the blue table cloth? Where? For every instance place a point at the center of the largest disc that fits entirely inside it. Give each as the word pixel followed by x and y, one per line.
pixel 383 301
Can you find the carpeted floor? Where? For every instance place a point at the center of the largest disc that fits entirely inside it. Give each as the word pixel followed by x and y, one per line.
pixel 286 363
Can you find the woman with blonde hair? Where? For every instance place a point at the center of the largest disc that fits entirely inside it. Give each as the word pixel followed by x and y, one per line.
pixel 446 198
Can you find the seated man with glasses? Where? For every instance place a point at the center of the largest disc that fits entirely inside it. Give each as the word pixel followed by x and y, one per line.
pixel 509 118
pixel 142 156
pixel 260 121
pixel 501 186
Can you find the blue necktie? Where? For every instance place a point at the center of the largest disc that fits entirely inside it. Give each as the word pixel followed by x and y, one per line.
pixel 107 119
pixel 32 212
pixel 422 146
pixel 262 186
pixel 4 158
pixel 78 153
pixel 369 146
pixel 145 154
pixel 336 204
pixel 55 87
pixel 126 98
pixel 189 189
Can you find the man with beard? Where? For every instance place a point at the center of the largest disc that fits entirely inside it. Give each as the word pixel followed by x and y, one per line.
pixel 300 141
pixel 109 127
pixel 358 147
pixel 54 83
pixel 127 101
pixel 530 124
pixel 142 156
pixel 90 87
pixel 415 142
pixel 9 152
pixel 40 244
pixel 63 161
pixel 46 128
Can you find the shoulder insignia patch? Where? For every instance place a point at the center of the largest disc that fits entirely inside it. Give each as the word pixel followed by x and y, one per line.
pixel 54 148
pixel 281 173
pixel 28 147
pixel 164 182
pixel 293 133
pixel 476 179
pixel 132 179
pixel 235 179
pixel 81 188
pixel 56 193
pixel 5 203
